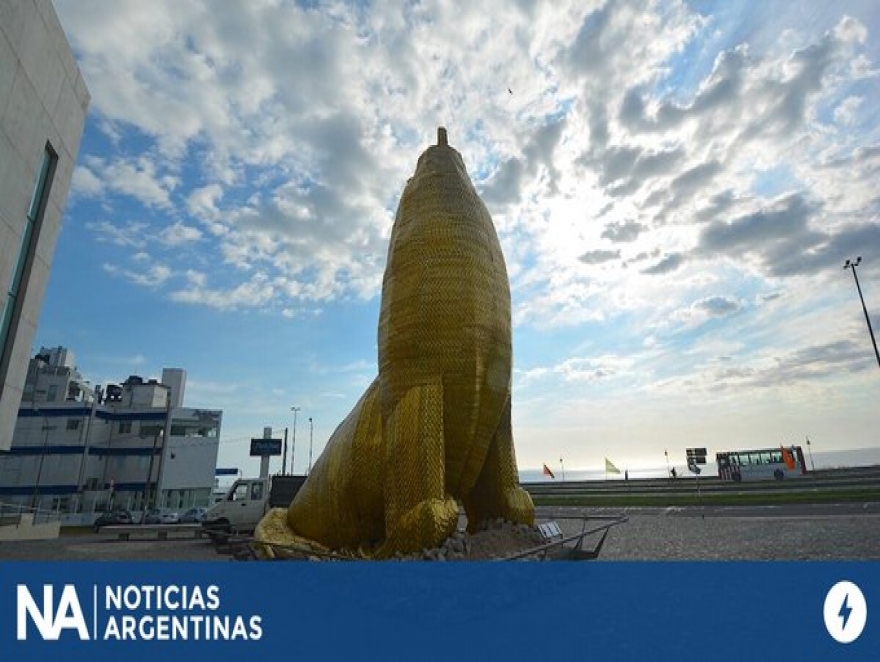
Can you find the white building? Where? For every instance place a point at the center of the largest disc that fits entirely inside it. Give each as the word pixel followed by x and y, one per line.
pixel 43 101
pixel 78 450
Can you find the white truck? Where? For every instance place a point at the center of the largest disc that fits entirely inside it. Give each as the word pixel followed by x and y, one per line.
pixel 245 503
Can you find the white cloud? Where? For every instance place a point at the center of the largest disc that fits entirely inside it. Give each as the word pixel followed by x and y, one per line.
pixel 86 183
pixel 579 370
pixel 153 277
pixel 845 113
pixel 137 178
pixel 656 175
pixel 591 136
pixel 255 293
pixel 130 234
pixel 202 202
pixel 179 233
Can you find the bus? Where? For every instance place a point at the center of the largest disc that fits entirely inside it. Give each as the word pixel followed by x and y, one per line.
pixel 763 464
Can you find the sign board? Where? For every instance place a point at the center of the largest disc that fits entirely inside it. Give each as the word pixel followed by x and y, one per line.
pixel 696 456
pixel 263 447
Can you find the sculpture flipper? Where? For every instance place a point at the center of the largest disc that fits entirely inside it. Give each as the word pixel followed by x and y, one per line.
pixel 497 492
pixel 418 512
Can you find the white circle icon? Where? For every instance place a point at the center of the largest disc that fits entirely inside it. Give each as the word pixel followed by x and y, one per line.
pixel 845 612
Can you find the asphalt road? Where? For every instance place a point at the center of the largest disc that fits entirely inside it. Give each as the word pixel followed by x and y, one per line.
pixel 839 532
pixel 826 532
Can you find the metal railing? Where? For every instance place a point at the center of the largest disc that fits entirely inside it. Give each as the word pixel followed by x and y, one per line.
pixel 11 514
pixel 561 548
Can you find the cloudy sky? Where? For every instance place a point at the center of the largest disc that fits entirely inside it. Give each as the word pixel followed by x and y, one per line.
pixel 676 186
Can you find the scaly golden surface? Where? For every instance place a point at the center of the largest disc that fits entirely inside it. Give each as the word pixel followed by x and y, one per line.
pixel 434 427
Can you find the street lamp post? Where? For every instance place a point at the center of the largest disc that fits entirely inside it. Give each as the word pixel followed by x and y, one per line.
pixel 853 265
pixel 311 429
pixel 810 451
pixel 561 464
pixel 293 438
pixel 148 491
pixel 150 495
pixel 45 427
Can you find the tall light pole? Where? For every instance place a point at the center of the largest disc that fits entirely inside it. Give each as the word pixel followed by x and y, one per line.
pixel 561 464
pixel 45 427
pixel 311 429
pixel 853 265
pixel 293 442
pixel 810 450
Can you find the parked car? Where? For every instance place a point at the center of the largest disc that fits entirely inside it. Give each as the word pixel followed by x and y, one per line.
pixel 193 515
pixel 161 516
pixel 111 517
pixel 151 516
pixel 169 517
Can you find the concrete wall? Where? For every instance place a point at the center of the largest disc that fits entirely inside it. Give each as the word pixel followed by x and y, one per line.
pixel 43 99
pixel 25 529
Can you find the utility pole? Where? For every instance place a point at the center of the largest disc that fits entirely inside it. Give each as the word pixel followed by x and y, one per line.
pixel 165 431
pixel 311 429
pixel 284 456
pixel 147 485
pixel 46 427
pixel 853 265
pixel 293 442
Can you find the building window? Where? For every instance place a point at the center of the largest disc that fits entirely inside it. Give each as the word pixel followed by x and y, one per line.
pixel 73 424
pixel 150 430
pixel 17 286
pixel 125 428
pixel 52 393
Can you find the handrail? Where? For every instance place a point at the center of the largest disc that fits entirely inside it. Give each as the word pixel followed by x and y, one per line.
pixel 614 521
pixel 14 511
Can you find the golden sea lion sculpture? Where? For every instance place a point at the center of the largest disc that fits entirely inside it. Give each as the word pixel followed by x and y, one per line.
pixel 434 426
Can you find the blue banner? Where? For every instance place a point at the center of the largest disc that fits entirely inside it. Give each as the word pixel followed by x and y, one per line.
pixel 436 611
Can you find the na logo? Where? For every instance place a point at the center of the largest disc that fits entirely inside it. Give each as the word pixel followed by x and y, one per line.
pixel 50 620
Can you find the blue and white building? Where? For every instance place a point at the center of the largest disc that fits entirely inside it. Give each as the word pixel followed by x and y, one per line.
pixel 79 449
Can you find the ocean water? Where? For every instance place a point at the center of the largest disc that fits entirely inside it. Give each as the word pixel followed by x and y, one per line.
pixel 860 457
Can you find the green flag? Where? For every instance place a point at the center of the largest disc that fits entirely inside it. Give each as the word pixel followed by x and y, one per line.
pixel 610 468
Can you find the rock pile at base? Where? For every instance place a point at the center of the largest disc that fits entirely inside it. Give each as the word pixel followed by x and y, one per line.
pixel 496 539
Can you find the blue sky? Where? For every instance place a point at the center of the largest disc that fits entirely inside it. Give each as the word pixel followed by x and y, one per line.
pixel 675 185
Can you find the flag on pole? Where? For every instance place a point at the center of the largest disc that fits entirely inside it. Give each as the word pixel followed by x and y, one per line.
pixel 788 458
pixel 547 472
pixel 610 468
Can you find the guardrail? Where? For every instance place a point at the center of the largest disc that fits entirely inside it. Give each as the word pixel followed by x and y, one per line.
pixel 558 549
pixel 10 513
pixel 161 531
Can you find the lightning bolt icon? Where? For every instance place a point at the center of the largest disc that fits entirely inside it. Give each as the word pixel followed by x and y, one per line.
pixel 845 611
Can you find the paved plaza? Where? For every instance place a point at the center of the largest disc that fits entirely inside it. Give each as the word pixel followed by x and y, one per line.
pixel 797 533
